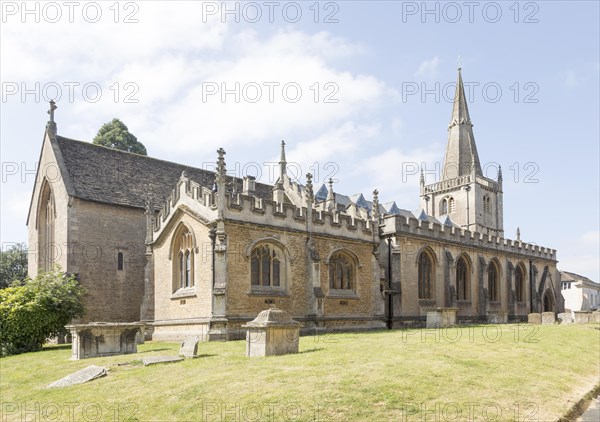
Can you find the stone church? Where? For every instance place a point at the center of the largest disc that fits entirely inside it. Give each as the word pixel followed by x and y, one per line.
pixel 195 252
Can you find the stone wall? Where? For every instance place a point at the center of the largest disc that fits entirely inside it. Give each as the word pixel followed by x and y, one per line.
pixel 183 313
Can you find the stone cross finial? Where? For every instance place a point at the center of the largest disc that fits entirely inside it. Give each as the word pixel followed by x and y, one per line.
pixel 376 205
pixel 51 110
pixel 309 187
pixel 221 169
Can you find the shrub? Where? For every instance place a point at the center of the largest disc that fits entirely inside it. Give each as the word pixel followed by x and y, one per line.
pixel 38 309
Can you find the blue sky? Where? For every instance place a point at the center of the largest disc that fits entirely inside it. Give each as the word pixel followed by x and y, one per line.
pixel 368 89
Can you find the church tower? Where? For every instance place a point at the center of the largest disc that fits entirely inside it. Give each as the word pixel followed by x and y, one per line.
pixel 463 194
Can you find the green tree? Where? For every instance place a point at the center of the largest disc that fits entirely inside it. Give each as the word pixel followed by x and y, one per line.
pixel 38 309
pixel 116 135
pixel 13 264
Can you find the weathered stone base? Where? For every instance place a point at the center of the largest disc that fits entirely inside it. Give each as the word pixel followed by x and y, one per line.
pixel 582 317
pixel 534 318
pixel 179 330
pixel 103 339
pixel 441 318
pixel 595 316
pixel 566 318
pixel 497 317
pixel 548 318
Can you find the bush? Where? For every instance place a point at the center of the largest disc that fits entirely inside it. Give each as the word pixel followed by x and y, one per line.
pixel 38 309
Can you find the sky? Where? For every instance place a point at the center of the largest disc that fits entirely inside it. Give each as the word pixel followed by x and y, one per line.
pixel 360 91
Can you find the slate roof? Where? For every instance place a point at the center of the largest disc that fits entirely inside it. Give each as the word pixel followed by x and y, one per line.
pixel 111 176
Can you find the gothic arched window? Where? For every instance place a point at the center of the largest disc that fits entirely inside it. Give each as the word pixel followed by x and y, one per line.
pixel 463 288
pixel 183 259
pixel 493 282
pixel 46 224
pixel 520 283
pixel 342 272
pixel 425 276
pixel 266 266
pixel 444 207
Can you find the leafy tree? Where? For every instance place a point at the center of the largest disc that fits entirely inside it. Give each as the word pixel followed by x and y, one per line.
pixel 116 135
pixel 13 264
pixel 38 309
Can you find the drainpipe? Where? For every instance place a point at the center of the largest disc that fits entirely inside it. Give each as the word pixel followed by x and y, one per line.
pixel 390 298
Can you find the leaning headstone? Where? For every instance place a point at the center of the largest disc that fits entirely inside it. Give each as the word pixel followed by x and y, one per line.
pixel 582 317
pixel 566 318
pixel 548 318
pixel 86 374
pixel 534 318
pixel 189 347
pixel 153 360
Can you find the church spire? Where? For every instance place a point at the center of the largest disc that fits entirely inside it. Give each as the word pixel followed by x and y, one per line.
pixel 461 152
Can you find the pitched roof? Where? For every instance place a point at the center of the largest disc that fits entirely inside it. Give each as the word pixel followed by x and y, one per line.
pixel 101 174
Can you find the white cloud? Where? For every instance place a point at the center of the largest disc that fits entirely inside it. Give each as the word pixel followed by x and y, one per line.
pixel 428 68
pixel 396 173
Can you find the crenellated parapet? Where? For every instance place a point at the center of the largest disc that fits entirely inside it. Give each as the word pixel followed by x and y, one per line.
pixel 188 194
pixel 251 209
pixel 403 226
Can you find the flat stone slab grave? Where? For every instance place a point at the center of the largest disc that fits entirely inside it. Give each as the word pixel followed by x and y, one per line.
pixel 189 347
pixel 84 375
pixel 153 360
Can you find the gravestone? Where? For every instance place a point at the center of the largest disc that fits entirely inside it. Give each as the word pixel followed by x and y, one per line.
pixel 441 318
pixel 272 332
pixel 86 374
pixel 153 360
pixel 497 317
pixel 582 317
pixel 534 318
pixel 103 339
pixel 189 347
pixel 566 318
pixel 548 318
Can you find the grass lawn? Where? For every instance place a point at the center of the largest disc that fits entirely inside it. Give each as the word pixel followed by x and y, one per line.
pixel 482 373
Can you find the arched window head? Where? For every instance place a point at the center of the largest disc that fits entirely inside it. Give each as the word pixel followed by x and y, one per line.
pixel 342 272
pixel 451 205
pixel 520 284
pixel 183 259
pixel 487 204
pixel 267 266
pixel 425 276
pixel 463 288
pixel 444 207
pixel 493 283
pixel 46 223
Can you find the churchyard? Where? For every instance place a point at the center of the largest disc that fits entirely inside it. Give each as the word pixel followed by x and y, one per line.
pixel 502 372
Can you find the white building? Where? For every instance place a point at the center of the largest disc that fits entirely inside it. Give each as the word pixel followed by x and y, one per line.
pixel 580 293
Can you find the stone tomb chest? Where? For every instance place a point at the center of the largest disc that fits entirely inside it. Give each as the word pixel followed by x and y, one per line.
pixel 103 339
pixel 272 332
